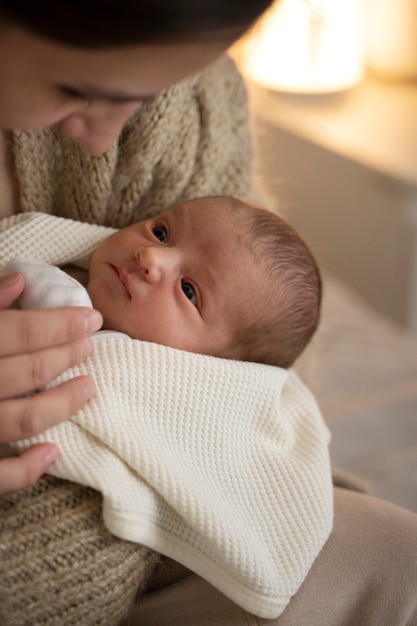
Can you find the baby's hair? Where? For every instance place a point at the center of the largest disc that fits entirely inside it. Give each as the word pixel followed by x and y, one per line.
pixel 107 23
pixel 291 294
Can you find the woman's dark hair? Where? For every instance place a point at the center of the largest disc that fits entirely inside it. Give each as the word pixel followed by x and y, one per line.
pixel 107 23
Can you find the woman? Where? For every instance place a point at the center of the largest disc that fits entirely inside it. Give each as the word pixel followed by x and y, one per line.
pixel 113 150
pixel 65 67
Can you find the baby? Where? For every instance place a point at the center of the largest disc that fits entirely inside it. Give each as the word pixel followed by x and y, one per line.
pixel 213 275
pixel 221 464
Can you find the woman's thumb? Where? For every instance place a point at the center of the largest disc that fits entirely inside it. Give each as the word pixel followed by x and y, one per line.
pixel 11 286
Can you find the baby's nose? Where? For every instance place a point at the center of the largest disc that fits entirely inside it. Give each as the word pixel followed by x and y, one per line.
pixel 155 263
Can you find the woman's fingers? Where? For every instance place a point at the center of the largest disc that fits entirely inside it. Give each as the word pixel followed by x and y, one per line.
pixel 35 347
pixel 21 471
pixel 30 372
pixel 29 331
pixel 21 418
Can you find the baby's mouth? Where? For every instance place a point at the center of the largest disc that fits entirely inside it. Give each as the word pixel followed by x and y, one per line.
pixel 123 279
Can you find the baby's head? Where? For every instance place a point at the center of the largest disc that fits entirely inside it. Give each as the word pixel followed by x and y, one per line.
pixel 287 301
pixel 213 275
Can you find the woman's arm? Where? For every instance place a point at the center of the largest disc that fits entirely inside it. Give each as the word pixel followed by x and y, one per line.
pixel 35 347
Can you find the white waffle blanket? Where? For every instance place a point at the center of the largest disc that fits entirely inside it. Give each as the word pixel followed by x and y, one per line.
pixel 218 464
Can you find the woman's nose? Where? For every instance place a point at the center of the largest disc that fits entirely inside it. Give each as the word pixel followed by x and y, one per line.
pixel 98 128
pixel 156 262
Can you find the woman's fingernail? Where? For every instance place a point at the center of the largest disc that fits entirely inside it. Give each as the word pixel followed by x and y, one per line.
pixel 10 279
pixel 93 321
pixel 51 456
pixel 89 389
pixel 86 347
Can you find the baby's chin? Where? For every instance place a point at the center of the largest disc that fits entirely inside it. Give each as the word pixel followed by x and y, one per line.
pixel 108 324
pixel 95 297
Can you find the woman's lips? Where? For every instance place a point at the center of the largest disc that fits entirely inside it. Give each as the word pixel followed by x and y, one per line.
pixel 123 277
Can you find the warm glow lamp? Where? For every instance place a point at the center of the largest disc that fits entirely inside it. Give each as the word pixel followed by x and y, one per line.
pixel 307 46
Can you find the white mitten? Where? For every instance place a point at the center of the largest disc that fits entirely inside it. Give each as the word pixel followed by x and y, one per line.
pixel 47 286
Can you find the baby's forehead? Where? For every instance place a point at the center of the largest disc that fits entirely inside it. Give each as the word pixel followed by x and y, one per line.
pixel 196 207
pixel 222 211
pixel 222 226
pixel 214 212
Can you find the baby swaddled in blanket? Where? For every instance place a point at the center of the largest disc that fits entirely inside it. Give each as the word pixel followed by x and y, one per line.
pixel 205 446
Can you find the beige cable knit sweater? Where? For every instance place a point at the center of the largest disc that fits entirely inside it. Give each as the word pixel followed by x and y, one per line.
pixel 190 141
pixel 59 563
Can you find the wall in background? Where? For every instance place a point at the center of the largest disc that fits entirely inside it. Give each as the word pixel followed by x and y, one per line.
pixel 361 224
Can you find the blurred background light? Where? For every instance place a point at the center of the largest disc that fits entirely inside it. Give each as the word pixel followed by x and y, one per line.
pixel 306 46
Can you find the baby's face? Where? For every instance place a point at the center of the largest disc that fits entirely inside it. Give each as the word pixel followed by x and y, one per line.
pixel 181 279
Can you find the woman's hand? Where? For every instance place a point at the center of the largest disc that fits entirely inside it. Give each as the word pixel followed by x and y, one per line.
pixel 35 347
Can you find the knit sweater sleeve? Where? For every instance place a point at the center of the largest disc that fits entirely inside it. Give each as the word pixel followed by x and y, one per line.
pixel 192 140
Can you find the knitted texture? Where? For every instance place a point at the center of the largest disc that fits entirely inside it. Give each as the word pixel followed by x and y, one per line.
pixel 50 239
pixel 219 464
pixel 54 569
pixel 190 141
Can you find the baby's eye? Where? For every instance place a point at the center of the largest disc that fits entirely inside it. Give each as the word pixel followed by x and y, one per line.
pixel 189 292
pixel 160 233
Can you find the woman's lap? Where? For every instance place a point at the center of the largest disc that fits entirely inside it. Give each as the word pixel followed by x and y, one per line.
pixel 366 575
